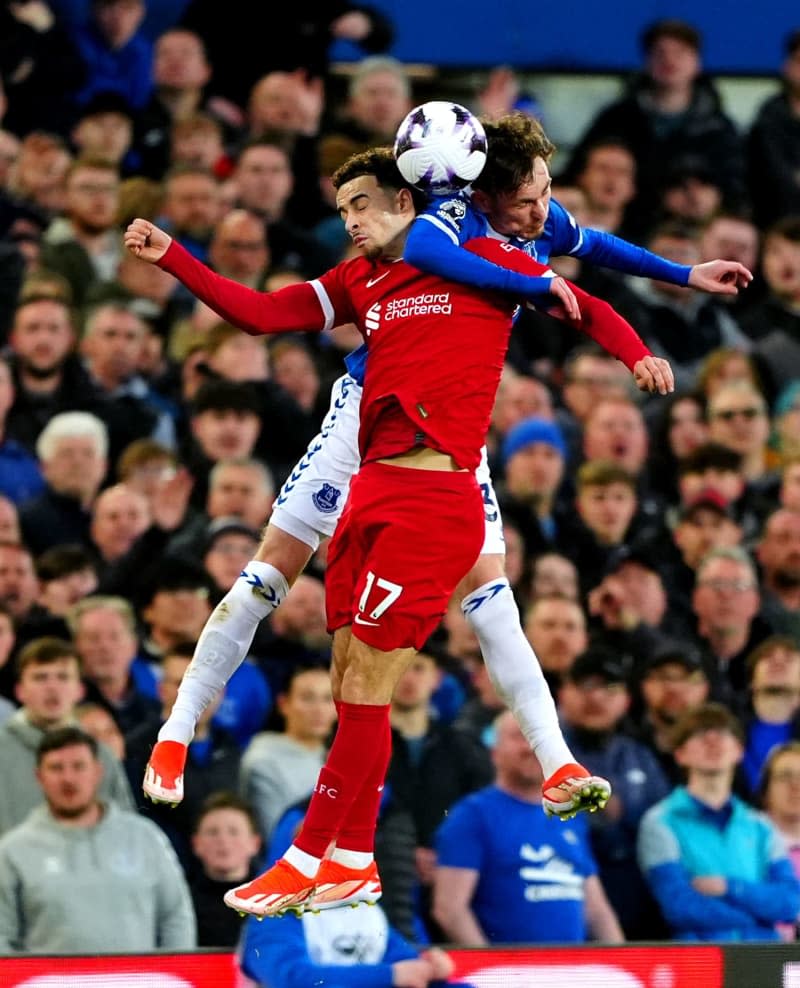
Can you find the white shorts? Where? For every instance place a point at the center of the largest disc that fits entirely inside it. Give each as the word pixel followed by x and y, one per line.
pixel 310 503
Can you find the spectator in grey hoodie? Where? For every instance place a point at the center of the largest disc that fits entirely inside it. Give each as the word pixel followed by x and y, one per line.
pixel 80 876
pixel 48 688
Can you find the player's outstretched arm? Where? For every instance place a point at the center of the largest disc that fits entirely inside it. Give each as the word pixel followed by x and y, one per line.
pixel 717 277
pixel 295 308
pixel 720 277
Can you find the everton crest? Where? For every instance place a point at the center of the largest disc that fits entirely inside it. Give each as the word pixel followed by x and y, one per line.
pixel 326 498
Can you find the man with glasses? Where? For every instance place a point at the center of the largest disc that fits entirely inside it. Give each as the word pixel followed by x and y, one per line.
pixel 593 703
pixel 738 419
pixel 717 867
pixel 725 603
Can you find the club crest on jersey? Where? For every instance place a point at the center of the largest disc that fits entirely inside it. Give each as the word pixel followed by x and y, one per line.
pixel 452 211
pixel 372 320
pixel 326 498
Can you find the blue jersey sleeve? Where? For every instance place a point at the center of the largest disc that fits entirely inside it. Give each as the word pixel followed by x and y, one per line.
pixel 609 251
pixel 434 245
pixel 356 363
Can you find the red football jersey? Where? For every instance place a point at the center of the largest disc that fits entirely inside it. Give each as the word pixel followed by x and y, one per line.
pixel 436 352
pixel 436 348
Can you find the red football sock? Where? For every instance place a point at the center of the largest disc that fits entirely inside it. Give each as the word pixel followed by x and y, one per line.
pixel 358 742
pixel 357 832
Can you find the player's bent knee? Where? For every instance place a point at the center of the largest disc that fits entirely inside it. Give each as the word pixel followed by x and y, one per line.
pixel 285 552
pixel 490 566
pixel 371 674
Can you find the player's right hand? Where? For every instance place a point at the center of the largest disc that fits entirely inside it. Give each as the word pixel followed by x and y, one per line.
pixel 146 240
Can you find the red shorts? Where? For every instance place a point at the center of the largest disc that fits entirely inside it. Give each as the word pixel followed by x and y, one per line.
pixel 405 540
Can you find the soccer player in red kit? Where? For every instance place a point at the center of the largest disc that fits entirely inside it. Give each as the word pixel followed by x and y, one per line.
pixel 414 523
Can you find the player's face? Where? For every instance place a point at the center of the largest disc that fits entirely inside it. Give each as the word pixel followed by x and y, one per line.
pixel 376 219
pixel 522 213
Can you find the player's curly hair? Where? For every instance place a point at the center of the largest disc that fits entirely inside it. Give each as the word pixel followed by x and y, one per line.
pixel 514 141
pixel 380 163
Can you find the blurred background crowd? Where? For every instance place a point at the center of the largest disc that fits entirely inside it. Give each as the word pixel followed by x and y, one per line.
pixel 653 544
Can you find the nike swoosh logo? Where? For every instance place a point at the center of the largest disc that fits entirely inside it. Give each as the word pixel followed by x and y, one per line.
pixel 374 281
pixel 360 620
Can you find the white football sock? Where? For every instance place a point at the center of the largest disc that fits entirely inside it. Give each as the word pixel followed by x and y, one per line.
pixel 305 863
pixel 223 644
pixel 352 859
pixel 515 671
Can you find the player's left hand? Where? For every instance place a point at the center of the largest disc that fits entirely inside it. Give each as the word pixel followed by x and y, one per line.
pixel 654 374
pixel 568 303
pixel 720 277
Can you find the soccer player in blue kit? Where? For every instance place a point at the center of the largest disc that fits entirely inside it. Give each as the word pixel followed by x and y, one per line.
pixel 516 198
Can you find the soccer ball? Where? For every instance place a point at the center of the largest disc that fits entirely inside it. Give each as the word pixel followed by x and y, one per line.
pixel 440 147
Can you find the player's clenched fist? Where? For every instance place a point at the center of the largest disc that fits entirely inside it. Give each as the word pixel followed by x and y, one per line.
pixel 146 240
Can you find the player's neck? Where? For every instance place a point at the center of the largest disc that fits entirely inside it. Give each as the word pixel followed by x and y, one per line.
pixel 393 251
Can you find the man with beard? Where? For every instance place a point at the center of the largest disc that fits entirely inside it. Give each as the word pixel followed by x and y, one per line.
pixel 84 244
pixel 48 378
pixel 672 682
pixel 779 556
pixel 80 876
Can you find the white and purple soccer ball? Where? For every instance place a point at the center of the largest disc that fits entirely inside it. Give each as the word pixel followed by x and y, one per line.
pixel 440 147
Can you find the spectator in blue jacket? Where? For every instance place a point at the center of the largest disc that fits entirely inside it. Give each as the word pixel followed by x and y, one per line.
pixel 718 868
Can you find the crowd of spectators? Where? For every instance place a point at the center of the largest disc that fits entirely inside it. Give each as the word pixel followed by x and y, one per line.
pixel 653 543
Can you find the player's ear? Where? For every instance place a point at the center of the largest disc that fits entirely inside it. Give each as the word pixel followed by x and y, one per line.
pixel 405 201
pixel 480 200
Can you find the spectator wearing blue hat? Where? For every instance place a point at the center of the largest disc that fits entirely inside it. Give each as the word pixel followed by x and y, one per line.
pixel 534 455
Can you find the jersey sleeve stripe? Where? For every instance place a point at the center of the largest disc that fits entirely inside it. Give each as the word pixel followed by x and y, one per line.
pixel 579 242
pixel 325 303
pixel 440 226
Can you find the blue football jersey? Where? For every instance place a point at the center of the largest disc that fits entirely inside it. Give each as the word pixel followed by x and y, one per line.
pixel 455 216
